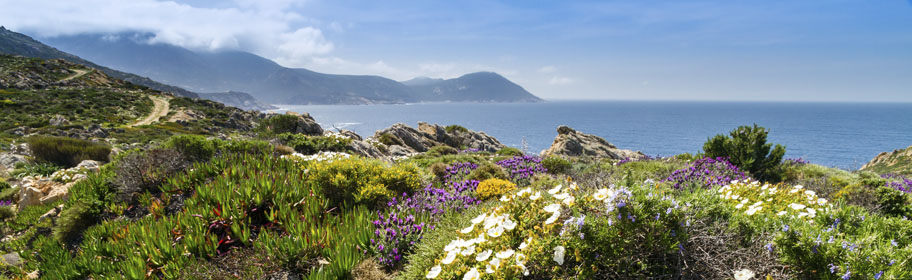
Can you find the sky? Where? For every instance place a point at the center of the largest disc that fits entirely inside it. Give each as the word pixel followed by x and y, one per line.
pixel 725 50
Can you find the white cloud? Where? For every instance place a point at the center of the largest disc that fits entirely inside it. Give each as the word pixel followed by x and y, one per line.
pixel 266 28
pixel 558 80
pixel 547 69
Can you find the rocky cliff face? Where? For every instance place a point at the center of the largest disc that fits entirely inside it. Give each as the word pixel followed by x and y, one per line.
pixel 430 135
pixel 573 143
pixel 898 161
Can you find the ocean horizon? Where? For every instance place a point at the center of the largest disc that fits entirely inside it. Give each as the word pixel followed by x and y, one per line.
pixel 837 134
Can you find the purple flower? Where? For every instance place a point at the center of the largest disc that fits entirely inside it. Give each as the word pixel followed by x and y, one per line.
pixel 847 275
pixel 878 275
pixel 706 172
pixel 769 246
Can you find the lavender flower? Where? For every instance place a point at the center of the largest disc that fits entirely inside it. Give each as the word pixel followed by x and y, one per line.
pixel 522 168
pixel 706 172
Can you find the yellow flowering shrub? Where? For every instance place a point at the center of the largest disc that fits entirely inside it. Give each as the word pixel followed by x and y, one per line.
pixel 494 188
pixel 755 198
pixel 361 180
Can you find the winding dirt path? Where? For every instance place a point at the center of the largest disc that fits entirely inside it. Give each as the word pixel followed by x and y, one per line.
pixel 79 73
pixel 160 110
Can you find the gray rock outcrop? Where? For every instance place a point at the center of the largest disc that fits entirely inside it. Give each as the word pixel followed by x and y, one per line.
pixel 570 142
pixel 403 140
pixel 306 124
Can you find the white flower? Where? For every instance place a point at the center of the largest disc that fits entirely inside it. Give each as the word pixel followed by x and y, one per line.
pixel 780 213
pixel 520 258
pixel 810 192
pixel 739 205
pixel 450 257
pixel 524 269
pixel 568 201
pixel 451 247
pixel 483 255
pixel 535 196
pixel 797 206
pixel 509 224
pixel 522 246
pixel 505 254
pixel 552 208
pixel 433 272
pixel 468 229
pixel 488 269
pixel 798 187
pixel 524 191
pixel 821 201
pixel 555 189
pixel 600 194
pixel 496 231
pixel 469 250
pixel 553 218
pixel 752 210
pixel 559 254
pixel 479 219
pixel 561 196
pixel 480 238
pixel 504 198
pixel 744 274
pixel 473 274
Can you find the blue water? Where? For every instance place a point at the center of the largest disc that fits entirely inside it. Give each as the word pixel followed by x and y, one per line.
pixel 844 135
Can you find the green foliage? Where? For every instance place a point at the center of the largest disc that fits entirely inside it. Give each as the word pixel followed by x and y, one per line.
pixel 494 188
pixel 139 172
pixel 453 128
pixel 488 171
pixel 556 164
pixel 3 184
pixel 509 151
pixel 83 107
pixel 438 169
pixel 6 212
pixel 74 220
pixel 389 139
pixel 278 124
pixel 34 169
pixel 425 160
pixel 746 148
pixel 66 151
pixel 897 162
pixel 441 150
pixel 894 203
pixel 309 145
pixel 362 181
pixel 193 147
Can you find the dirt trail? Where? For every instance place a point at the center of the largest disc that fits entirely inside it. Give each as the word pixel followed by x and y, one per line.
pixel 160 110
pixel 79 73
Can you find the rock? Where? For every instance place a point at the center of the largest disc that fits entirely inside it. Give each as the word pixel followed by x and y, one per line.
pixel 350 134
pixel 11 259
pixel 29 196
pixel 400 151
pixel 403 135
pixel 58 120
pixel 430 135
pixel 570 142
pixel 9 161
pixel 21 149
pixel 365 149
pixel 898 161
pixel 97 131
pixel 51 213
pixel 306 124
pixel 56 192
pixel 20 131
pixel 90 165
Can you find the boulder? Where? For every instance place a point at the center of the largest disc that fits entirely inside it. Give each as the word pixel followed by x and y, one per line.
pixel 306 124
pixel 90 165
pixel 29 196
pixel 11 259
pixel 364 149
pixel 58 120
pixel 430 135
pixel 56 192
pixel 9 161
pixel 570 142
pixel 406 136
pixel 20 131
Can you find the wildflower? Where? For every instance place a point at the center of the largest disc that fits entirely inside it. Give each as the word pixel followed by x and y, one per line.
pixel 847 275
pixel 483 255
pixel 468 229
pixel 473 274
pixel 797 206
pixel 552 208
pixel 521 258
pixel 504 198
pixel 769 246
pixel 559 254
pixel 524 191
pixel 893 242
pixel 535 196
pixel 744 274
pixel 878 275
pixel 752 210
pixel 505 254
pixel 433 272
pixel 450 257
pixel 561 196
pixel 479 219
pixel 555 190
pixel 833 268
pixel 509 224
pixel 496 231
pixel 781 213
pixel 785 228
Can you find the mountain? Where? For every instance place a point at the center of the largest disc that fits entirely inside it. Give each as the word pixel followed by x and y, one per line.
pixel 241 100
pixel 19 44
pixel 474 87
pixel 268 81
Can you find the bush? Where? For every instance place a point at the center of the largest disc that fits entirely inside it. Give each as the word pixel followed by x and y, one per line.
pixel 456 128
pixel 894 202
pixel 309 145
pixel 6 211
pixel 363 181
pixel 139 172
pixel 439 169
pixel 279 124
pixel 74 220
pixel 747 148
pixel 510 152
pixel 67 152
pixel 193 147
pixel 441 150
pixel 488 171
pixel 33 169
pixel 389 139
pixel 494 188
pixel 3 184
pixel 556 164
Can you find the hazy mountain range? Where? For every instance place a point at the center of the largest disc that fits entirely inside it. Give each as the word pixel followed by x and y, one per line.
pixel 273 83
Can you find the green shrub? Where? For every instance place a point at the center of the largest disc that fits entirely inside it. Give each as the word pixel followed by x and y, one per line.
pixel 9 194
pixel 438 169
pixel 509 151
pixel 253 147
pixel 139 172
pixel 3 184
pixel 279 124
pixel 309 145
pixel 389 139
pixel 494 188
pixel 441 150
pixel 746 148
pixel 893 202
pixel 487 171
pixel 556 164
pixel 6 212
pixel 360 180
pixel 65 151
pixel 34 168
pixel 74 220
pixel 456 128
pixel 194 147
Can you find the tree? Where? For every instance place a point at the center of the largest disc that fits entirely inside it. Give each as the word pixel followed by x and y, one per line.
pixel 746 148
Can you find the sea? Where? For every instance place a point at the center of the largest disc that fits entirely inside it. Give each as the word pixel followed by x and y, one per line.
pixel 842 135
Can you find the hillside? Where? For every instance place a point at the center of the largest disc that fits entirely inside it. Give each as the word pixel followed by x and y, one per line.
pixel 269 81
pixel 898 161
pixel 474 87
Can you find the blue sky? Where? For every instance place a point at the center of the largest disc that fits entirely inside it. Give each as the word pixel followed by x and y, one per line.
pixel 642 50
